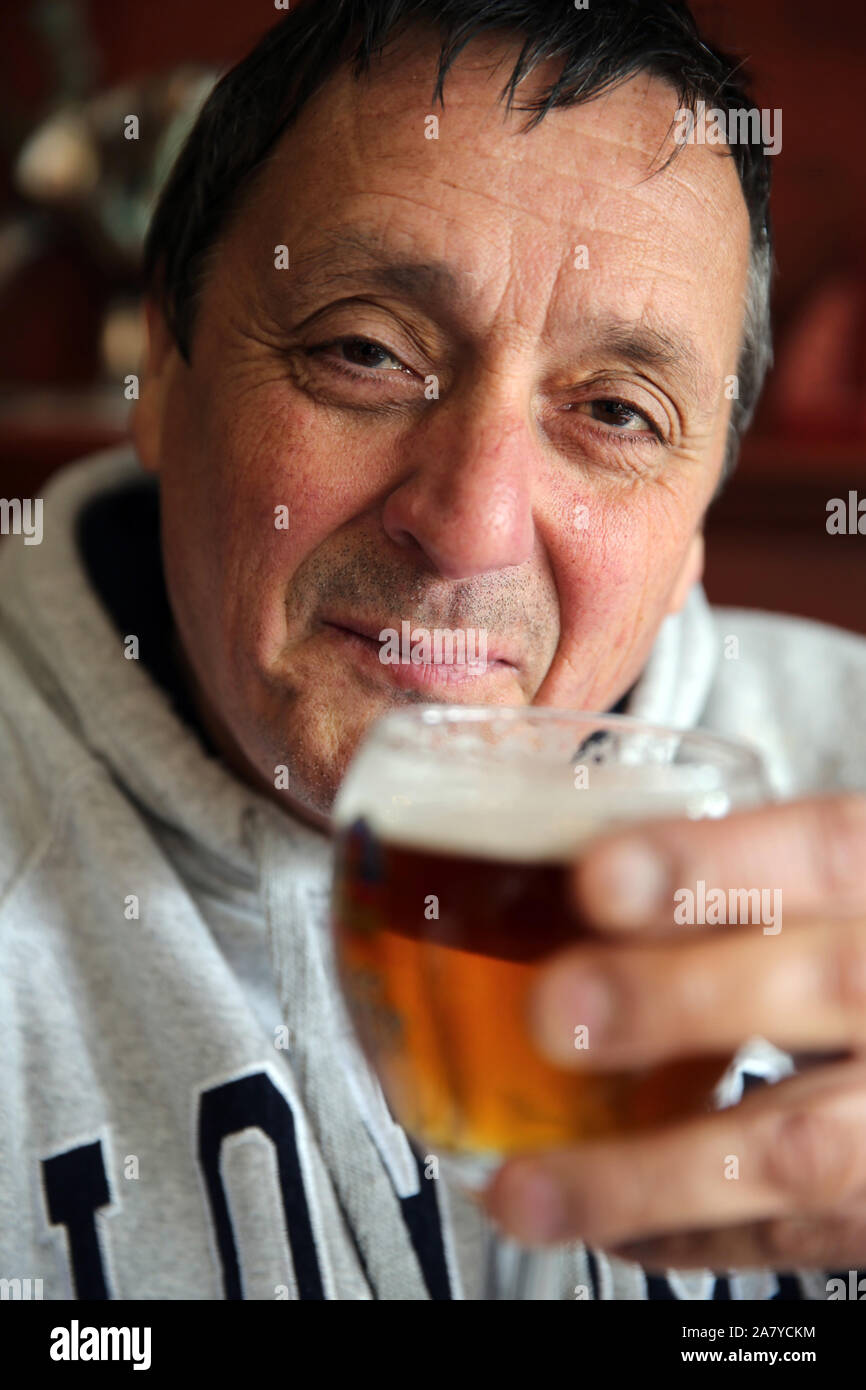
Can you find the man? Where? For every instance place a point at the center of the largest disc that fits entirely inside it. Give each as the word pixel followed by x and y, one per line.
pixel 441 362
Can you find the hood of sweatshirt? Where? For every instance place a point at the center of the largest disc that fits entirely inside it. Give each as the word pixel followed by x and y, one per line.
pixel 238 842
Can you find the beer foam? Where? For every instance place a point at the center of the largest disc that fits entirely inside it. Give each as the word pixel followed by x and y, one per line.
pixel 498 809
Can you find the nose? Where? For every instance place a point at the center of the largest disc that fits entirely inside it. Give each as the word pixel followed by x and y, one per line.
pixel 466 499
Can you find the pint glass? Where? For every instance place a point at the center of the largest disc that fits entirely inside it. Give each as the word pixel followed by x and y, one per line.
pixel 457 828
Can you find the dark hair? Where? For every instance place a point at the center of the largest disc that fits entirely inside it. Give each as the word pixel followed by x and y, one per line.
pixel 599 48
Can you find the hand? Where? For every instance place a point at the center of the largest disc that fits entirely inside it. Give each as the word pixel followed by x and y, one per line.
pixel 650 989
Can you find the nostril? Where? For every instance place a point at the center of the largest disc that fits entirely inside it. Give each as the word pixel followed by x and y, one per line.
pixel 400 536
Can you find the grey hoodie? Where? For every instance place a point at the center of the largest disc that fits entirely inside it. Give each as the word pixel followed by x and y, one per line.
pixel 184 1112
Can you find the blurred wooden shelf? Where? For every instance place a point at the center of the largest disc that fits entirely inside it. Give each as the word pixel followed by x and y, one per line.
pixel 41 430
pixel 767 541
pixel 799 458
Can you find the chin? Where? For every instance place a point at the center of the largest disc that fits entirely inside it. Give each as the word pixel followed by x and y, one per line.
pixel 319 758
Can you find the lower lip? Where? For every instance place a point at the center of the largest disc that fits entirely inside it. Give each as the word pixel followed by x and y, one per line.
pixel 420 675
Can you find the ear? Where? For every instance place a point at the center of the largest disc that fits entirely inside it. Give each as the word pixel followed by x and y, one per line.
pixel 690 573
pixel 146 418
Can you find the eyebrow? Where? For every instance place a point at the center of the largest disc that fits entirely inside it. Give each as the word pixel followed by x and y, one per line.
pixel 644 345
pixel 381 267
pixel 347 256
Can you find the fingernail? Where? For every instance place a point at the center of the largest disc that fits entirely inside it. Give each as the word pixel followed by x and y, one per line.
pixel 569 1011
pixel 625 883
pixel 531 1205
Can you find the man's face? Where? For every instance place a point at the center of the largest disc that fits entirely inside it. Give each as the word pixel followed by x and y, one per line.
pixel 550 498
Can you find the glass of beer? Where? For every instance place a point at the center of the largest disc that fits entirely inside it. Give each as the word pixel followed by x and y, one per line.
pixel 457 829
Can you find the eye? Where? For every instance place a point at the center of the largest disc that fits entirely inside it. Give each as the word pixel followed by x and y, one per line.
pixel 620 415
pixel 360 352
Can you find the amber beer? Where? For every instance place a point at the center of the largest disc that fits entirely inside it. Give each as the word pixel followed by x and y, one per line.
pixel 437 949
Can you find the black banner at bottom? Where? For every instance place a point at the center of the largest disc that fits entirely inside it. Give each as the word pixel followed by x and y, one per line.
pixel 150 1338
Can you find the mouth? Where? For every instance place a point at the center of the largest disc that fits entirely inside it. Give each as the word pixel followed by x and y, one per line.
pixel 460 658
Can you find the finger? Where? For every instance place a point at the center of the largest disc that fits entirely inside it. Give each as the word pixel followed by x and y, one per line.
pixel 804 989
pixel 835 1241
pixel 811 852
pixel 796 1150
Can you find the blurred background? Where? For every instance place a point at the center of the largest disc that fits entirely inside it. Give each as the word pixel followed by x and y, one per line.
pixel 74 200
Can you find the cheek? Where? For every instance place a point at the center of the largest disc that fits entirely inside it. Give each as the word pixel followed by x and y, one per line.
pixel 614 571
pixel 617 556
pixel 247 500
